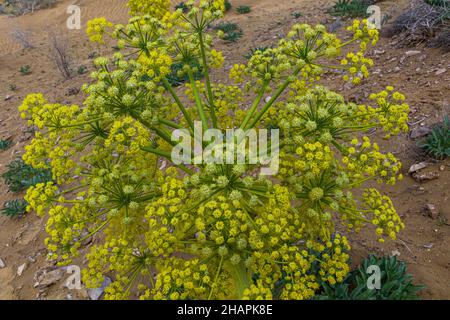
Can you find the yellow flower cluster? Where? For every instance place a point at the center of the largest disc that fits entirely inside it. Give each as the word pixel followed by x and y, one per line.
pixel 154 8
pixel 333 258
pixel 96 29
pixel 385 216
pixel 211 231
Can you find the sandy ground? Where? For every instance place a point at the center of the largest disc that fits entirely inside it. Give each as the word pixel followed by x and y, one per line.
pixel 425 242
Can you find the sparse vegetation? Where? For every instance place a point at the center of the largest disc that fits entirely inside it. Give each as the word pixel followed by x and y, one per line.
pixel 437 143
pixel 13 87
pixel 351 8
pixel 254 50
pixel 425 22
pixel 14 208
pixel 297 14
pixel 22 37
pixel 59 54
pixel 19 176
pixel 20 7
pixel 395 283
pixel 81 70
pixel 5 144
pixel 229 31
pixel 24 70
pixel 228 5
pixel 243 9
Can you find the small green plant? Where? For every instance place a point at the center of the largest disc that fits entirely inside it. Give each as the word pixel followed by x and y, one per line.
pixel 5 144
pixel 396 283
pixel 14 208
pixel 437 143
pixel 229 31
pixel 19 176
pixel 297 14
pixel 350 8
pixel 13 87
pixel 81 70
pixel 228 5
pixel 253 51
pixel 24 70
pixel 441 3
pixel 243 9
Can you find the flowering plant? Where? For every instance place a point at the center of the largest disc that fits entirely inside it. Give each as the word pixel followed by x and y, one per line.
pixel 177 231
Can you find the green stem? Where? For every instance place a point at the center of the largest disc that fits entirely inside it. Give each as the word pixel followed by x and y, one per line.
pixel 254 106
pixel 179 103
pixel 272 100
pixel 207 80
pixel 241 278
pixel 198 101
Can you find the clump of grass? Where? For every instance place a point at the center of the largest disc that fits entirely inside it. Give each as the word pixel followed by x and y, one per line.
pixel 243 9
pixel 228 5
pixel 297 14
pixel 24 70
pixel 81 70
pixel 351 8
pixel 13 87
pixel 253 50
pixel 19 176
pixel 425 22
pixel 5 144
pixel 231 31
pixel 14 208
pixel 437 142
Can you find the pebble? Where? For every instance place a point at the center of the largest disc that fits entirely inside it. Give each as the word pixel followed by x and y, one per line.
pixel 2 263
pixel 440 71
pixel 21 269
pixel 417 167
pixel 432 210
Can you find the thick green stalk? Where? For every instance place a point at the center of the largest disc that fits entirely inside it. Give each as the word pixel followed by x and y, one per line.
pixel 208 81
pixel 241 278
pixel 179 103
pixel 254 106
pixel 198 101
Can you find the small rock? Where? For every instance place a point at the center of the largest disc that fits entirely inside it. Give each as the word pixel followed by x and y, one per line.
pixel 432 211
pixel 428 245
pixel 442 168
pixel 95 294
pixel 8 97
pixel 395 253
pixel 21 269
pixel 46 277
pixel 419 132
pixel 2 263
pixel 31 259
pixel 421 177
pixel 267 99
pixel 412 53
pixel 440 71
pixel 417 167
pixel 379 51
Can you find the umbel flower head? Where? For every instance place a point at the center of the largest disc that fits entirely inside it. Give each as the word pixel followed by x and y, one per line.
pixel 212 231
